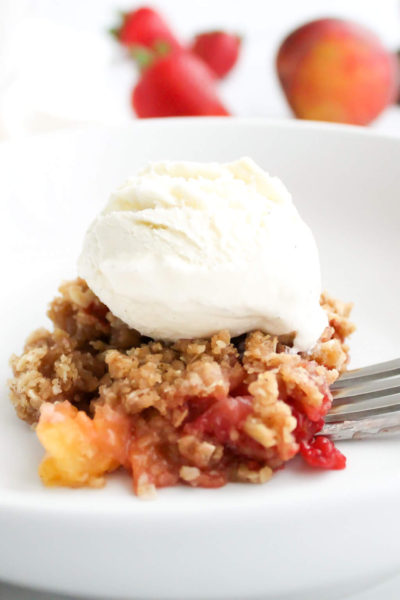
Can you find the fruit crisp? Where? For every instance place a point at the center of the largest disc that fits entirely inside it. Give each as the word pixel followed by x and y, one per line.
pixel 200 412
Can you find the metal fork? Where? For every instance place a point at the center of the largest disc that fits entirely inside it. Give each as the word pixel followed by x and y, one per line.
pixel 366 402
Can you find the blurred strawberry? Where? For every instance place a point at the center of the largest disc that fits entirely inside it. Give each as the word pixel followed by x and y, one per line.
pixel 145 27
pixel 178 84
pixel 218 49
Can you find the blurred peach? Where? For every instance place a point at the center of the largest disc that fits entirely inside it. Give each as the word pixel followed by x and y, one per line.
pixel 335 70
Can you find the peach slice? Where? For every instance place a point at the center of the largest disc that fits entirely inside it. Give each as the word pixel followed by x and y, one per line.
pixel 80 450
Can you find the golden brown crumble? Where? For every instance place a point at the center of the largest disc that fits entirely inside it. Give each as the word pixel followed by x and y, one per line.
pixel 92 359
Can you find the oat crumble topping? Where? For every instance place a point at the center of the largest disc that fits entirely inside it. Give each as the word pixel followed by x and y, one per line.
pixel 200 412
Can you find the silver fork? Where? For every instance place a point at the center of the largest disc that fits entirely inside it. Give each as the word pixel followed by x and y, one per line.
pixel 366 402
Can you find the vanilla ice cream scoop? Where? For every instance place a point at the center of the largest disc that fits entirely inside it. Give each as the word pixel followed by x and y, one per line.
pixel 185 249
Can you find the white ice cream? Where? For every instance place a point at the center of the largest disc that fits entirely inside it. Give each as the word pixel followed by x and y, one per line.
pixel 184 250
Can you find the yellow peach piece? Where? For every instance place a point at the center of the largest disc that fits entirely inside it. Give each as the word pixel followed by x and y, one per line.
pixel 80 450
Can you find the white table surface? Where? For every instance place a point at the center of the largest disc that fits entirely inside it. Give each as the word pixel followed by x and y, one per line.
pixel 64 99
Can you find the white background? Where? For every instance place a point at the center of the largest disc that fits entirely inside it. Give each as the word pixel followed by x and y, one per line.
pixel 68 73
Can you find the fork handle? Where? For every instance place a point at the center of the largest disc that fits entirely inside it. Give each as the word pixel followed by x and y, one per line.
pixel 370 426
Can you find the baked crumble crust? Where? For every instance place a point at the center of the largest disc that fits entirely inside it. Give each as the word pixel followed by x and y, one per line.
pixel 199 411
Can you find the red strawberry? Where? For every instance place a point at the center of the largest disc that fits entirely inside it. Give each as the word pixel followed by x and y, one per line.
pixel 178 84
pixel 145 27
pixel 220 50
pixel 321 453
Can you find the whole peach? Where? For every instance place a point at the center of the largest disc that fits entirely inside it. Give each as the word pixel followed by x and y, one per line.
pixel 335 70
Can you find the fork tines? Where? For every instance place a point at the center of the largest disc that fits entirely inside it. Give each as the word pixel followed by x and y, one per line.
pixel 366 393
pixel 380 370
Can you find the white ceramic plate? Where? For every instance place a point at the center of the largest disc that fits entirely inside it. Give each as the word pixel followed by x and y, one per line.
pixel 304 535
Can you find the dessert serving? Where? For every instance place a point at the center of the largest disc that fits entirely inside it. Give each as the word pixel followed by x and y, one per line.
pixel 195 346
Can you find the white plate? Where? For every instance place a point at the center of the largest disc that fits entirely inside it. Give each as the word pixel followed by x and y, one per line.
pixel 388 590
pixel 304 535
